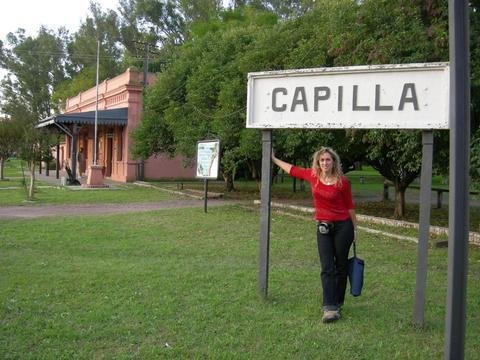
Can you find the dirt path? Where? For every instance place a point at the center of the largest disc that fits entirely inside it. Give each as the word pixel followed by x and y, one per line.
pixel 36 211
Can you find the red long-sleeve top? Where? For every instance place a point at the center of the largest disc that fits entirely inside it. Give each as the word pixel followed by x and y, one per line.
pixel 332 202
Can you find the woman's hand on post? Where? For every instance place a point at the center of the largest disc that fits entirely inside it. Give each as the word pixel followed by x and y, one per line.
pixel 281 164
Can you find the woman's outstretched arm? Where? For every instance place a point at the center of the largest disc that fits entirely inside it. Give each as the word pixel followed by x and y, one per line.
pixel 282 164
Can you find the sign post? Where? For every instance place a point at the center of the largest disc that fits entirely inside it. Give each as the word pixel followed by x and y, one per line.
pixel 424 227
pixel 264 245
pixel 208 155
pixel 406 96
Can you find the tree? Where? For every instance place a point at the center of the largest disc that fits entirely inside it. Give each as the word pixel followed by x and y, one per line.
pixel 35 66
pixel 158 22
pixel 475 92
pixel 202 91
pixel 81 57
pixel 9 142
pixel 383 32
pixel 396 155
pixel 35 143
pixel 284 9
pixel 202 94
pixel 475 159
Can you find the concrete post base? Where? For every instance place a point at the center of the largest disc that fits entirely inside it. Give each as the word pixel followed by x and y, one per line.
pixel 95 176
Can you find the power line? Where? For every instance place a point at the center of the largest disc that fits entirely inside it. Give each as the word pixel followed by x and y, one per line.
pixel 81 55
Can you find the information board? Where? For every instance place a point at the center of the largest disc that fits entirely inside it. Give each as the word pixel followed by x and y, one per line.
pixel 208 156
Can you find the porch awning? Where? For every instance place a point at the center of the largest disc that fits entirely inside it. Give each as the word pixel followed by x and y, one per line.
pixel 117 117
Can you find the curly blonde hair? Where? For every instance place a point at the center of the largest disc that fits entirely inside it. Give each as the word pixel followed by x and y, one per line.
pixel 336 166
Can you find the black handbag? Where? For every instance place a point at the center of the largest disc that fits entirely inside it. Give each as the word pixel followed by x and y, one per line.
pixel 355 268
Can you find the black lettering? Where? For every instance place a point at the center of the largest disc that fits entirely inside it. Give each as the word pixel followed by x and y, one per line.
pixel 317 97
pixel 379 107
pixel 299 98
pixel 274 99
pixel 412 99
pixel 356 107
pixel 340 98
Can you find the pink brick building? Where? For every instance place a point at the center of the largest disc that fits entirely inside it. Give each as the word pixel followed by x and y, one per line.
pixel 119 113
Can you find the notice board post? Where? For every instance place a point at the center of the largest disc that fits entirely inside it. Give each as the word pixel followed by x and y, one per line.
pixel 208 162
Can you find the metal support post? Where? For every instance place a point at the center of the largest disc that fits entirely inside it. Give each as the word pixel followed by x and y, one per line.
pixel 205 195
pixel 424 230
pixel 264 245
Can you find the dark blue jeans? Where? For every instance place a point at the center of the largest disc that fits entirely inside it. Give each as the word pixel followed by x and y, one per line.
pixel 333 250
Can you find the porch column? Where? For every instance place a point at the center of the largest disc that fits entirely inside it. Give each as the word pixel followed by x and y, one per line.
pixel 57 173
pixel 73 156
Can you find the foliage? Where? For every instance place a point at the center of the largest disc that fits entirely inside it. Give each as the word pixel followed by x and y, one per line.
pixel 9 142
pixel 35 144
pixel 334 33
pixel 82 81
pixel 35 66
pixel 395 32
pixel 475 160
pixel 397 155
pixel 284 9
pixel 475 63
pixel 81 59
pixel 202 94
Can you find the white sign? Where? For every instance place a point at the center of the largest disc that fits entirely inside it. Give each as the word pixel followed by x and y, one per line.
pixel 208 159
pixel 406 96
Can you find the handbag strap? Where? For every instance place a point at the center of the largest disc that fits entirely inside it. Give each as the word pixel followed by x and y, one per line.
pixel 355 249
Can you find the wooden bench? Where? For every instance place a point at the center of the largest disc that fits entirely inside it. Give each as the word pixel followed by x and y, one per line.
pixel 437 189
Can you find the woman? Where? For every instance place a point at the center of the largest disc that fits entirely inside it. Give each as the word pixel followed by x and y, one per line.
pixel 336 222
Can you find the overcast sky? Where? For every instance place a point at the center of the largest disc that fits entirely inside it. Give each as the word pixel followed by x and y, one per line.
pixel 31 14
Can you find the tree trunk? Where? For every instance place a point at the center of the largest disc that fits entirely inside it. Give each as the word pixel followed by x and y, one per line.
pixel 229 182
pixel 2 163
pixel 399 212
pixel 32 181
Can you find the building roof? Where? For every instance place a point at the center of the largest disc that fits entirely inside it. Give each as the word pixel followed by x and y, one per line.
pixel 117 117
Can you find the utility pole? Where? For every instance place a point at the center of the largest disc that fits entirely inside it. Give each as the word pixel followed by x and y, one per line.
pixel 145 65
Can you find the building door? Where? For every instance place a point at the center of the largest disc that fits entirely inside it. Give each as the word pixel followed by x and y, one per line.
pixel 108 170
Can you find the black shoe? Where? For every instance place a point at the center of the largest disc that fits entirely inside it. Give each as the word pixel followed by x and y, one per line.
pixel 330 316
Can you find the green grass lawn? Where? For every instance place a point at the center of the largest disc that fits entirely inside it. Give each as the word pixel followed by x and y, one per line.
pixel 65 195
pixel 181 284
pixel 13 192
